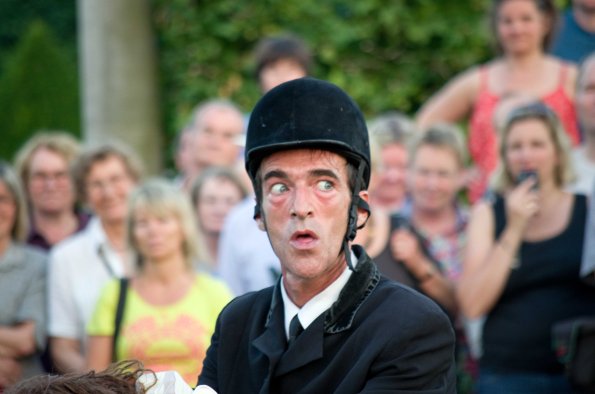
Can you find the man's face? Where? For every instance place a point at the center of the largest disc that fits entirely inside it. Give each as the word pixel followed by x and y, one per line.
pixel 215 141
pixel 392 174
pixel 434 178
pixel 217 197
pixel 305 203
pixel 585 99
pixel 50 187
pixel 283 70
pixel 184 154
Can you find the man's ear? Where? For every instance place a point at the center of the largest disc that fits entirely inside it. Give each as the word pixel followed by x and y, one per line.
pixel 362 214
pixel 260 222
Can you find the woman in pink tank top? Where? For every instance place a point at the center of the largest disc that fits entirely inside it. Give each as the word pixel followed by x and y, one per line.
pixel 523 29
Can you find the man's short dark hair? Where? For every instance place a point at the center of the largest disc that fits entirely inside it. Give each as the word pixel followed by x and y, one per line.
pixel 270 50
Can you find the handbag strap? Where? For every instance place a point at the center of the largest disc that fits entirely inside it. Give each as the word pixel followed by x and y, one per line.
pixel 119 314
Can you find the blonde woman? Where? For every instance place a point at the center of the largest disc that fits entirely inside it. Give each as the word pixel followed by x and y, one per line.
pixel 523 255
pixel 170 309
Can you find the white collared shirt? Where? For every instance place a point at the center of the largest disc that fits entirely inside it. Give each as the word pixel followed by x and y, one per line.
pixel 318 304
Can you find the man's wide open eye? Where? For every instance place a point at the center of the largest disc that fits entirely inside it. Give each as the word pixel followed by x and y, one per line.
pixel 278 188
pixel 325 186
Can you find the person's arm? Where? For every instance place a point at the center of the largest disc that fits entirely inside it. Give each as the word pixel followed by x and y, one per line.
pixel 10 371
pixel 487 262
pixel 17 340
pixel 99 353
pixel 63 328
pixel 452 103
pixel 100 329
pixel 405 248
pixel 67 354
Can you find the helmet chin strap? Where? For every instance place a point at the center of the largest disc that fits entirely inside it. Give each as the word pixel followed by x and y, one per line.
pixel 352 227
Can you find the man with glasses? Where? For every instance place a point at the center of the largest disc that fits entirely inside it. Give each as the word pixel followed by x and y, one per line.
pixel 43 164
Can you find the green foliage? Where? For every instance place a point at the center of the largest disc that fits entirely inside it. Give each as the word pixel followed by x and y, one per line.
pixel 16 15
pixel 387 55
pixel 38 89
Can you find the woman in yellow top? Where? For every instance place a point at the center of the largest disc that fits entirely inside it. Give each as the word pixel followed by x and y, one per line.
pixel 170 308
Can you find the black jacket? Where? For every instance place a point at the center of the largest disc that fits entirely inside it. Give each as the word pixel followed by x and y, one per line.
pixel 379 337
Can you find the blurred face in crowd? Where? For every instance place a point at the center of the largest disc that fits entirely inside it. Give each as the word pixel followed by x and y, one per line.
pixel 434 178
pixel 391 174
pixel 529 146
pixel 50 187
pixel 521 26
pixel 158 237
pixel 185 154
pixel 108 184
pixel 217 197
pixel 584 6
pixel 215 138
pixel 283 70
pixel 585 98
pixel 8 212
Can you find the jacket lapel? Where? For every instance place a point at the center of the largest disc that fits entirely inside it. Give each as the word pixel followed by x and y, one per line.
pixel 268 347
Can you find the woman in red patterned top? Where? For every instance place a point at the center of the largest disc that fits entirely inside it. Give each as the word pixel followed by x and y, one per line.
pixel 523 29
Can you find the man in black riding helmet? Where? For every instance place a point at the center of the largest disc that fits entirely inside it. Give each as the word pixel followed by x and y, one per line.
pixel 332 324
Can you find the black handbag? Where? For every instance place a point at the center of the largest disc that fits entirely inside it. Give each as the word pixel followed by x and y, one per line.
pixel 574 344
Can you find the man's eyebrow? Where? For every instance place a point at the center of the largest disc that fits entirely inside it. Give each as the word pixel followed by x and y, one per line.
pixel 323 172
pixel 275 174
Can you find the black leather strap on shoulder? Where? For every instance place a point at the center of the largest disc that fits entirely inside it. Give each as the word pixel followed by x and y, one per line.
pixel 119 314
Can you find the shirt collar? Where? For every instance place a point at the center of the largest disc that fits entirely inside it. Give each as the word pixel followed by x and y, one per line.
pixel 319 303
pixel 96 233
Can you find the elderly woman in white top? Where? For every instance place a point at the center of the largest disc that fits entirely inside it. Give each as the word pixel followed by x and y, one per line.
pixel 82 264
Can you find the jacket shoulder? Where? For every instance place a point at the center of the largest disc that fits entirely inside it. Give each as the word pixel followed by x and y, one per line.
pixel 248 304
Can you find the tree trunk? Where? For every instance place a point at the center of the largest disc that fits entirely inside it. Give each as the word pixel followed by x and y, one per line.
pixel 118 64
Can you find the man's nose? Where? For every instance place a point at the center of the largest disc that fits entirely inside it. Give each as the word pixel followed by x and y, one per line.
pixel 301 206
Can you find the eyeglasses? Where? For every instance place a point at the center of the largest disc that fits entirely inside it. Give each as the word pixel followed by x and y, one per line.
pixel 45 177
pixel 100 185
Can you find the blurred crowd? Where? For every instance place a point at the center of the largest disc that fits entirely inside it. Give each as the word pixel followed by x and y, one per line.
pixel 480 201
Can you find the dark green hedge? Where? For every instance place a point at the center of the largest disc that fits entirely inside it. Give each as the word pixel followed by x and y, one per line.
pixel 387 54
pixel 38 89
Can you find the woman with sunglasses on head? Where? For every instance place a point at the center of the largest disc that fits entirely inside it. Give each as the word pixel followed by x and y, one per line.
pixel 523 255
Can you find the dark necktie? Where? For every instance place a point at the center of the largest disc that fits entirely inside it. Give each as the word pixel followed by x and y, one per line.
pixel 295 329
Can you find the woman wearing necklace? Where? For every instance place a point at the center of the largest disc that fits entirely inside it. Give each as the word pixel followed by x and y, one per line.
pixel 523 255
